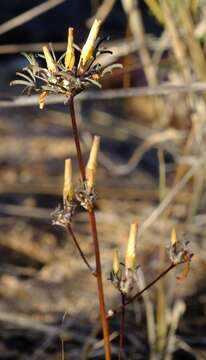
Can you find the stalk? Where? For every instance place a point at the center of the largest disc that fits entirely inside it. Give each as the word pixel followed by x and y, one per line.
pixel 122 328
pixel 69 228
pixel 92 220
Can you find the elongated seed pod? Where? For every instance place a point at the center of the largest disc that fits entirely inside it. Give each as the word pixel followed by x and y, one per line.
pixel 70 55
pixel 68 191
pixel 116 263
pixel 91 167
pixel 130 258
pixel 88 48
pixel 51 66
pixel 173 237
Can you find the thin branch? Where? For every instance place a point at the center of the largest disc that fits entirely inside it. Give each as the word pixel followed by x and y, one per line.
pixel 76 138
pixel 122 328
pixel 161 90
pixel 28 15
pixel 69 228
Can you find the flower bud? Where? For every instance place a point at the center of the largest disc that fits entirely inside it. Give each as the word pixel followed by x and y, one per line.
pixel 173 237
pixel 68 191
pixel 88 48
pixel 51 66
pixel 116 263
pixel 130 259
pixel 91 167
pixel 70 56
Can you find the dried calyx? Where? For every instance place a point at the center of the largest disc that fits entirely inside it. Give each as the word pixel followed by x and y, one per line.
pixel 73 72
pixel 83 195
pixel 180 253
pixel 124 276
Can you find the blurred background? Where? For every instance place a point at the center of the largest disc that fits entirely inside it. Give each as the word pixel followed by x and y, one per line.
pixel 151 116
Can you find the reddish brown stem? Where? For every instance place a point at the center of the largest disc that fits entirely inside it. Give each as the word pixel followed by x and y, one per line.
pixel 104 321
pixel 119 308
pixel 76 138
pixel 122 326
pixel 80 250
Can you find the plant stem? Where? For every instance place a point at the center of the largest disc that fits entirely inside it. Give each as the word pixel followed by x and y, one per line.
pixel 92 219
pixel 76 138
pixel 122 326
pixel 69 228
pixel 119 308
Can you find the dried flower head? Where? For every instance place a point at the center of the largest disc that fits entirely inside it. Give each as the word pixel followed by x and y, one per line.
pixel 179 253
pixel 124 276
pixel 63 217
pixel 71 73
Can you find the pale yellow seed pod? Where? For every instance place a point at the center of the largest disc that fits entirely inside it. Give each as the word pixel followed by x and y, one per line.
pixel 49 60
pixel 68 191
pixel 70 55
pixel 116 263
pixel 130 258
pixel 91 167
pixel 88 48
pixel 42 98
pixel 173 237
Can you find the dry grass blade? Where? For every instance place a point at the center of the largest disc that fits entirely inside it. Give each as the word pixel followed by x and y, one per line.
pixel 103 11
pixel 171 195
pixel 28 15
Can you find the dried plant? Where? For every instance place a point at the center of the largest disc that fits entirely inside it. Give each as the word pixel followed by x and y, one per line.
pixel 73 72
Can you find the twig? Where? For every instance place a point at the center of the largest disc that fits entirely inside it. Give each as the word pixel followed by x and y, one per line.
pixel 122 328
pixel 76 139
pixel 69 228
pixel 32 47
pixel 28 15
pixel 164 90
pixel 103 11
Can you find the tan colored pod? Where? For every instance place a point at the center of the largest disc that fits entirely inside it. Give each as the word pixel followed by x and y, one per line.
pixel 70 55
pixel 68 191
pixel 91 167
pixel 130 258
pixel 51 66
pixel 88 48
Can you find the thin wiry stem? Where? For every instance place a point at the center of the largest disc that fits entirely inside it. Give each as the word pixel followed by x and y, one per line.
pixel 76 138
pixel 129 301
pixel 92 219
pixel 122 328
pixel 69 228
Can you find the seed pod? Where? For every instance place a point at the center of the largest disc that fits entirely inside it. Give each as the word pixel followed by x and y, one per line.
pixel 68 191
pixel 70 56
pixel 51 66
pixel 173 237
pixel 130 258
pixel 88 48
pixel 116 263
pixel 92 163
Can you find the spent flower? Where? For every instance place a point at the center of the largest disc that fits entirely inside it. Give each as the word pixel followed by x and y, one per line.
pixel 73 72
